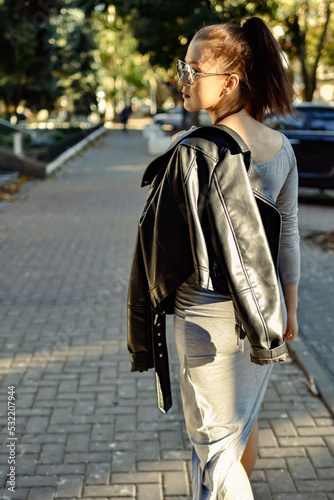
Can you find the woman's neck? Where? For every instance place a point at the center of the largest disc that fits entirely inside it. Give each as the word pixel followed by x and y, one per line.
pixel 235 113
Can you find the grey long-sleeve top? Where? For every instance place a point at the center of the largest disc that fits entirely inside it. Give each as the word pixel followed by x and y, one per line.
pixel 281 176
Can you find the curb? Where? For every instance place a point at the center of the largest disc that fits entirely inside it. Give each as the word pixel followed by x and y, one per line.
pixel 300 353
pixel 66 155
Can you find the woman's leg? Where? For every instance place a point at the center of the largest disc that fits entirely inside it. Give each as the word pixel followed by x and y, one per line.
pixel 249 456
pixel 238 485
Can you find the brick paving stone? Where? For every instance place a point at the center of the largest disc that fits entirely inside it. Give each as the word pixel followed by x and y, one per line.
pixel 41 494
pixel 301 468
pixel 162 465
pixel 270 463
pixel 316 431
pixel 127 391
pixel 315 485
pixel 280 481
pixel 122 445
pixel 69 486
pixel 97 473
pixel 136 436
pixel 135 477
pixel 51 453
pixel 175 483
pixel 60 469
pixel 283 427
pixel 125 423
pixel 160 426
pixel 317 408
pixel 73 458
pixel 61 415
pixel 149 492
pixel 46 393
pixel 149 450
pixel 289 388
pixel 102 432
pixel 170 440
pixel 325 473
pixel 321 457
pixel 123 461
pixel 77 442
pixel 324 421
pixel 261 491
pixel 267 438
pixel 301 418
pixel 42 438
pixel 258 476
pixel 176 455
pixel 299 496
pixel 112 490
pixel 281 452
pixel 301 441
pixel 68 428
pixel 26 463
pixel 32 447
pixel 179 498
pixel 263 422
pixel 35 481
pixel 37 424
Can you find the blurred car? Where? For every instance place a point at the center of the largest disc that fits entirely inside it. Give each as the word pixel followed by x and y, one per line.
pixel 174 119
pixel 311 134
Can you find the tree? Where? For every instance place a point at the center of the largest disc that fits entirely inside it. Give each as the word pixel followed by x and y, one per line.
pixel 75 65
pixel 121 68
pixel 162 29
pixel 308 30
pixel 27 64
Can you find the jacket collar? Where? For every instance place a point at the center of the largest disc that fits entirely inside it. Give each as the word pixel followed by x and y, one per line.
pixel 212 133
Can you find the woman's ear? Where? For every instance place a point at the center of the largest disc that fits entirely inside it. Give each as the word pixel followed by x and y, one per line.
pixel 231 84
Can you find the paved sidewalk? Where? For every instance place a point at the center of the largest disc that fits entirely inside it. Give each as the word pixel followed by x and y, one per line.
pixel 316 314
pixel 85 426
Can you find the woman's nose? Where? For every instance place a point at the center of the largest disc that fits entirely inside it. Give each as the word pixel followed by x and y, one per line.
pixel 183 81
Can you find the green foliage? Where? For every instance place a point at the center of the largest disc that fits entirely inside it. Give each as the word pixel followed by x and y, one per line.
pixel 75 65
pixel 26 67
pixel 73 48
pixel 308 37
pixel 121 69
pixel 164 28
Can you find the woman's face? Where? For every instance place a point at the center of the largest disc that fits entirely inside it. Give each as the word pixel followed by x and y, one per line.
pixel 208 91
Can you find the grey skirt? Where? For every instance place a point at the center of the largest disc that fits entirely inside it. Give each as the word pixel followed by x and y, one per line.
pixel 221 389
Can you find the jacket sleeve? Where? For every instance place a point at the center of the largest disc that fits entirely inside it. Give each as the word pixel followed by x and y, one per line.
pixel 243 252
pixel 139 315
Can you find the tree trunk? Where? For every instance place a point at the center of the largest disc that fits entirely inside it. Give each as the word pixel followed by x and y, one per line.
pixel 310 77
pixel 313 77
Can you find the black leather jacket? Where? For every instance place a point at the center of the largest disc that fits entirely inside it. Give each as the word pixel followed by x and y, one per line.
pixel 207 211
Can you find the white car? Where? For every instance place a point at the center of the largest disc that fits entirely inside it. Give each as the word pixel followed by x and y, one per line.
pixel 174 118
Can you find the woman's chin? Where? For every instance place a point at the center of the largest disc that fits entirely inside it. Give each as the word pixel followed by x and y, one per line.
pixel 187 106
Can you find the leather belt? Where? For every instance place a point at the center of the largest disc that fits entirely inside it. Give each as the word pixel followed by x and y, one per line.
pixel 160 357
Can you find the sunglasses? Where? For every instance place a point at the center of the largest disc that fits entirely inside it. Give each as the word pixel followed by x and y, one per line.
pixel 189 74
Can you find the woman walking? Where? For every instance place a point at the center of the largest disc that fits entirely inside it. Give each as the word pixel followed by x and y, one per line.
pixel 218 247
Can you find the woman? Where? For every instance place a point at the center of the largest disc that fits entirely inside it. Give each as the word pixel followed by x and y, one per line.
pixel 256 83
pixel 235 74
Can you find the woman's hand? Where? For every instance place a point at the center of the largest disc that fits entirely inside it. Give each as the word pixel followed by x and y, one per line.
pixel 291 328
pixel 179 134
